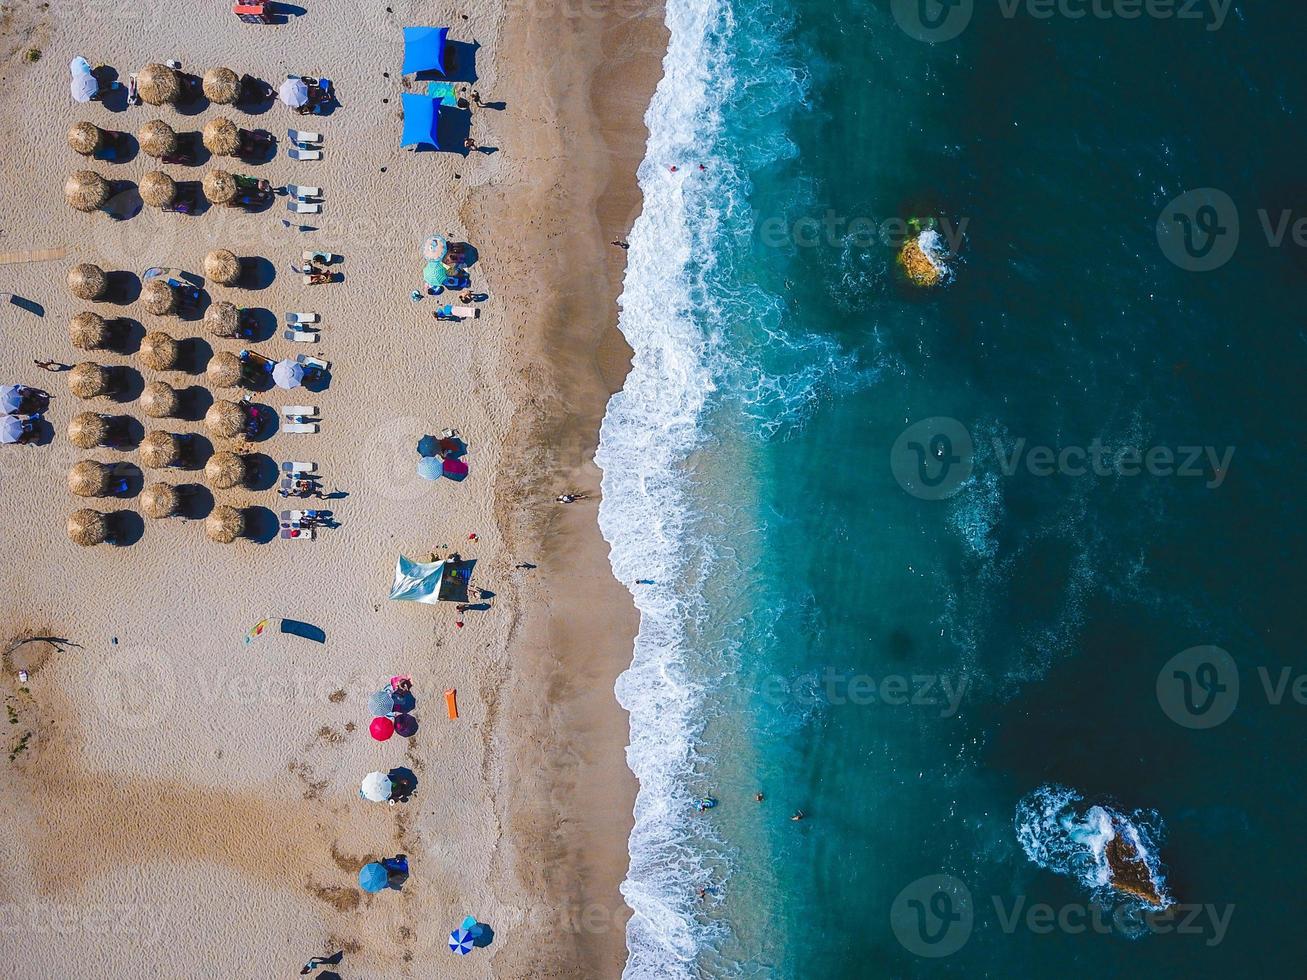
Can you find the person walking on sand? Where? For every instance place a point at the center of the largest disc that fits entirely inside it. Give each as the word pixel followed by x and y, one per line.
pixel 620 244
pixel 54 366
pixel 470 144
pixel 475 96
pixel 317 961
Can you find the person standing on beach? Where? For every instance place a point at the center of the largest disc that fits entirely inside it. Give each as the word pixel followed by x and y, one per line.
pixel 317 961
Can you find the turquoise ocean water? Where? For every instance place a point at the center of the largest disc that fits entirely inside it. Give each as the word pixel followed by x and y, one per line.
pixel 966 688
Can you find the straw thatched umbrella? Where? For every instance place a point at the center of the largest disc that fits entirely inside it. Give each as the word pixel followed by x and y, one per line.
pixel 89 479
pixel 225 470
pixel 222 267
pixel 222 86
pixel 85 138
pixel 157 138
pixel 225 419
pixel 160 500
pixel 223 318
pixel 225 524
pixel 159 400
pixel 88 527
pixel 158 297
pixel 219 187
pixel 221 137
pixel 89 331
pixel 88 430
pixel 157 189
pixel 159 351
pixel 157 84
pixel 224 370
pixel 88 380
pixel 160 449
pixel 86 190
pixel 87 281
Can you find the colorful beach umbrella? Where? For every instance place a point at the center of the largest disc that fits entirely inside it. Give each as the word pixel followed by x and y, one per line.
pixel 11 429
pixel 376 787
pixel 372 877
pixel 381 703
pixel 293 92
pixel 405 725
pixel 455 469
pixel 434 274
pixel 11 398
pixel 430 467
pixel 288 374
pixel 381 729
pixel 461 942
pixel 428 446
pixel 403 701
pixel 435 249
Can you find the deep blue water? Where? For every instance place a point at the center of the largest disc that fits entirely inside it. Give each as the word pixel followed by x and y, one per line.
pixel 950 687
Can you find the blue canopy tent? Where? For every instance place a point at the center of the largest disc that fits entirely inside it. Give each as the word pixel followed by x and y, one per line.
pixel 420 119
pixel 424 49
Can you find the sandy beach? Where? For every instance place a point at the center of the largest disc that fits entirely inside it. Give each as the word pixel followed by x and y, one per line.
pixel 187 804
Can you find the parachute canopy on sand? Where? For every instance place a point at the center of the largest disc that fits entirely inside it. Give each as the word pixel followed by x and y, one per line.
pixel 420 117
pixel 424 49
pixel 417 581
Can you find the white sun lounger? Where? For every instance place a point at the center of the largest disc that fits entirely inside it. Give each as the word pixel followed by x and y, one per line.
pixel 465 311
pixel 303 139
pixel 307 411
pixel 303 207
pixel 292 516
pixel 303 193
pixel 291 466
pixel 299 319
pixel 299 427
pixel 296 153
pixel 305 533
pixel 301 336
pixel 310 361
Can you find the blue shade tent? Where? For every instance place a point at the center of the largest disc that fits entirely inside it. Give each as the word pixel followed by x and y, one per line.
pixel 417 581
pixel 424 49
pixel 419 121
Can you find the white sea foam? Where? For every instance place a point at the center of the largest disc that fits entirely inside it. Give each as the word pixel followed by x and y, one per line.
pixel 650 429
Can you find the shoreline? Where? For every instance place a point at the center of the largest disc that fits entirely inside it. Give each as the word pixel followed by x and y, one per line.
pixel 565 790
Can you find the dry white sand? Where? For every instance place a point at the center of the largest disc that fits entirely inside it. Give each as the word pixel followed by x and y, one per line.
pixel 187 805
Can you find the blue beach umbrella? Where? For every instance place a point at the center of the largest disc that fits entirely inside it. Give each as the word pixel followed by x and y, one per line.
pixel 11 398
pixel 372 877
pixel 428 446
pixel 460 941
pixel 381 703
pixel 431 467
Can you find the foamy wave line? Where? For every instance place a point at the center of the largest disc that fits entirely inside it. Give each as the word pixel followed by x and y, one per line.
pixel 651 427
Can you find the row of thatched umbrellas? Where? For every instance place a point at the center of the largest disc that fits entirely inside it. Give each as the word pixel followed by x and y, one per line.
pixel 160 85
pixel 220 136
pixel 89 527
pixel 225 419
pixel 87 191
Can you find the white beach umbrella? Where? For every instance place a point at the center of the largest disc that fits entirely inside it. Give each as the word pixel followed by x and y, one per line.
pixel 293 92
pixel 288 374
pixel 11 398
pixel 11 430
pixel 376 787
pixel 84 84
pixel 435 249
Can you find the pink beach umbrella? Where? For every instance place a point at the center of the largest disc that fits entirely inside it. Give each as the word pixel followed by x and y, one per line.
pixel 381 729
pixel 455 469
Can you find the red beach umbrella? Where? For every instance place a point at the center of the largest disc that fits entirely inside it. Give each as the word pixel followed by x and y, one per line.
pixel 381 729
